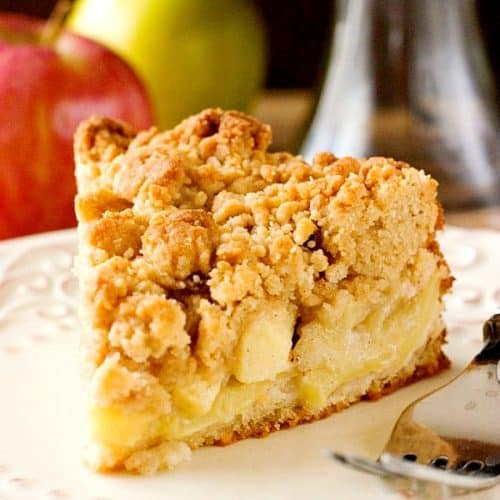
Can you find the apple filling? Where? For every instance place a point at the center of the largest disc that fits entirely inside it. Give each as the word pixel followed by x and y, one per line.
pixel 370 342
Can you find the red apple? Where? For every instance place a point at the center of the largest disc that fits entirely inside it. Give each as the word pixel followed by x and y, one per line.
pixel 45 91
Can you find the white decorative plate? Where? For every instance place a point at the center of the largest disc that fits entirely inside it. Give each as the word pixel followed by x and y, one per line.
pixel 40 413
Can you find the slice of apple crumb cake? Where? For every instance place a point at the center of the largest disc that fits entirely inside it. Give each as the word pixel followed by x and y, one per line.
pixel 227 292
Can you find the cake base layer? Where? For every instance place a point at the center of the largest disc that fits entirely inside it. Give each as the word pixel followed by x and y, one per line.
pixel 425 362
pixel 428 361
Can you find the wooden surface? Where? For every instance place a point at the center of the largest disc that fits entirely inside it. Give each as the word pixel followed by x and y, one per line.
pixel 289 111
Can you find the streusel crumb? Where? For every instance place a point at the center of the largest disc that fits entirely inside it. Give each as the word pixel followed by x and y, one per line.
pixel 185 234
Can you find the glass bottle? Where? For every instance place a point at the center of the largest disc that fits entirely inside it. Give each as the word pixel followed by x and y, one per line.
pixel 409 79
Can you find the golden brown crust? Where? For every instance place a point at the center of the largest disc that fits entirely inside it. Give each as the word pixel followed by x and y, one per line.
pixel 117 233
pixel 179 244
pixel 102 139
pixel 244 223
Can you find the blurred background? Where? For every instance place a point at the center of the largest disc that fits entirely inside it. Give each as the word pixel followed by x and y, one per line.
pixel 286 44
pixel 298 33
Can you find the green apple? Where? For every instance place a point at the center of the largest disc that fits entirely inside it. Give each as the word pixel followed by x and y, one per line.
pixel 191 54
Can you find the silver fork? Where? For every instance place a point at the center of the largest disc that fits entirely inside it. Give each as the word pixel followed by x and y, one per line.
pixel 449 440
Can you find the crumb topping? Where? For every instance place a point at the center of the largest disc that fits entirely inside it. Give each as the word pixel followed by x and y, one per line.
pixel 183 231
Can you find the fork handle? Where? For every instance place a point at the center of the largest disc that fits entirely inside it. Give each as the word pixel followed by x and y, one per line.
pixel 491 335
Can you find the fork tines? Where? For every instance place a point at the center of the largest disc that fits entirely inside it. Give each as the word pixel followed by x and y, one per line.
pixel 390 465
